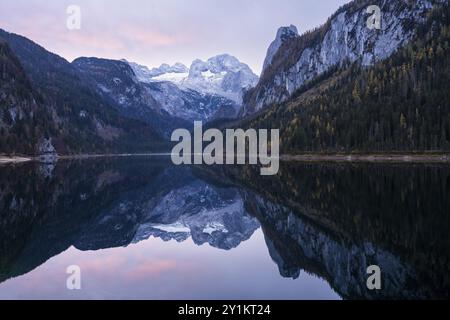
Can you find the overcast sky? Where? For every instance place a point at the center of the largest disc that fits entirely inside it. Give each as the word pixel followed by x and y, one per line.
pixel 152 32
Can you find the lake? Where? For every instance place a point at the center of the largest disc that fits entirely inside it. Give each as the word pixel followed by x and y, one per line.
pixel 141 228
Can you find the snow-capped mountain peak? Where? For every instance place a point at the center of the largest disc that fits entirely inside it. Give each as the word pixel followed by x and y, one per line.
pixel 166 68
pixel 223 63
pixel 146 75
pixel 223 75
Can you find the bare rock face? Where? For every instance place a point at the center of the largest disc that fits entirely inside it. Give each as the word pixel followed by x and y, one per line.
pixel 345 38
pixel 46 147
pixel 46 151
pixel 284 34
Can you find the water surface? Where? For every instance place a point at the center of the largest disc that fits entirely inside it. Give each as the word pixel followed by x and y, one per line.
pixel 140 228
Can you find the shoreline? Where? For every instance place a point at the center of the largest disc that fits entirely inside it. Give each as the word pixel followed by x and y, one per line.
pixel 6 160
pixel 371 158
pixel 22 159
pixel 432 157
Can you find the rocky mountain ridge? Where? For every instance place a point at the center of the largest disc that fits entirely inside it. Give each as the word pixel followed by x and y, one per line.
pixel 344 38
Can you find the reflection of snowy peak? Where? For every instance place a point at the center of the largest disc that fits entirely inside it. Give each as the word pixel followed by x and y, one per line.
pixel 206 91
pixel 207 214
pixel 176 205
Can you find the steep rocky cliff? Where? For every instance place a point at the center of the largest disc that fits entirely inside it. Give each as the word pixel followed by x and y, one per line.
pixel 344 38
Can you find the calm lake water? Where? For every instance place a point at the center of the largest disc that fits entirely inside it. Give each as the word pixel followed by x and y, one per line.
pixel 140 228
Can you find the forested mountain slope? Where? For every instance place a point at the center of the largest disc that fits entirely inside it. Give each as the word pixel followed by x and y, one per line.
pixel 24 121
pixel 400 104
pixel 78 119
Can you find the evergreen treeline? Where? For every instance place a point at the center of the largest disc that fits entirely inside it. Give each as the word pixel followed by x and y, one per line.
pixel 400 104
pixel 22 120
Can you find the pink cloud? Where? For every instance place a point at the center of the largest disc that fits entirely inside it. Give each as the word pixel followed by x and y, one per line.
pixel 100 264
pixel 151 269
pixel 151 38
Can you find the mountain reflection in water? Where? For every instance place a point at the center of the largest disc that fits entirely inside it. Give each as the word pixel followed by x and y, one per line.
pixel 321 224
